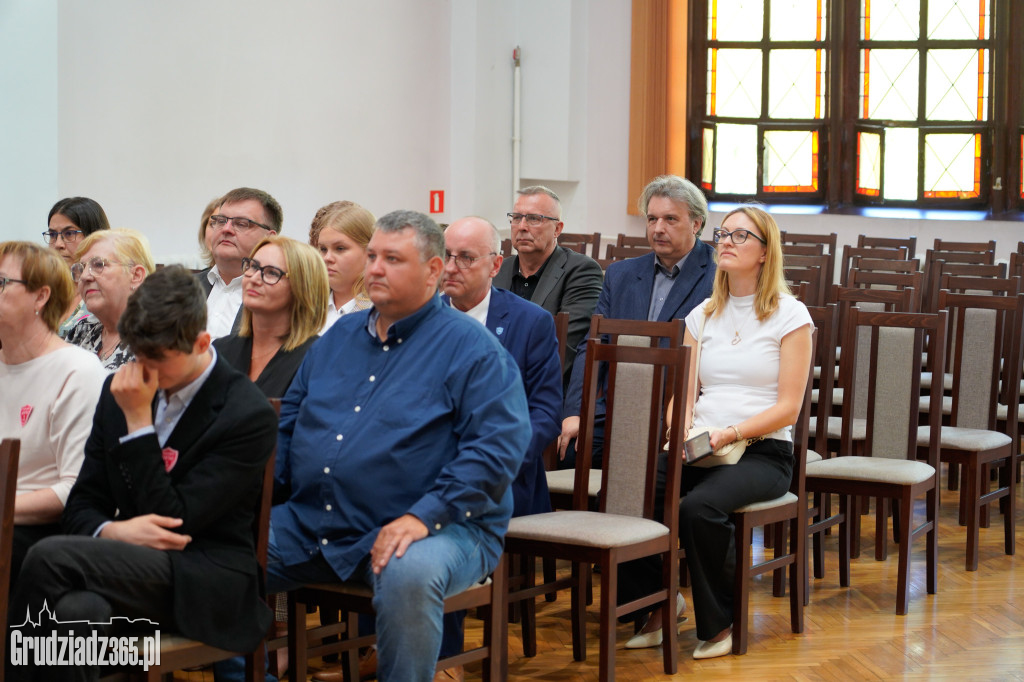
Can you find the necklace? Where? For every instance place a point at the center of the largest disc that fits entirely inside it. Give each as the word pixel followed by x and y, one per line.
pixel 107 348
pixel 737 329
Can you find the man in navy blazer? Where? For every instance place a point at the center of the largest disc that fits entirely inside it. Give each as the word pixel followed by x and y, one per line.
pixel 660 286
pixel 527 332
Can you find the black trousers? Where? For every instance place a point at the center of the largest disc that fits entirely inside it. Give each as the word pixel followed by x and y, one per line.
pixel 706 533
pixel 88 579
pixel 22 541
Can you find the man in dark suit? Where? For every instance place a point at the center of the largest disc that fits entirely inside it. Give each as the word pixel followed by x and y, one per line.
pixel 552 276
pixel 245 216
pixel 528 333
pixel 660 286
pixel 161 517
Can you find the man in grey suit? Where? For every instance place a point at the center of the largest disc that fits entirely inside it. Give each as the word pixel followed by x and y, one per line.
pixel 660 286
pixel 245 216
pixel 552 276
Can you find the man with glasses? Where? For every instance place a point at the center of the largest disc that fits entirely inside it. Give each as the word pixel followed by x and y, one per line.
pixel 552 276
pixel 663 285
pixel 244 217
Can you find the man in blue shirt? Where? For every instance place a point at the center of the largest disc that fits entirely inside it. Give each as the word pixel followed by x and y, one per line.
pixel 398 440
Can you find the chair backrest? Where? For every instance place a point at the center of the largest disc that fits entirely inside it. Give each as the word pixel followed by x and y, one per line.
pixel 909 243
pixel 865 264
pixel 643 383
pixel 893 281
pixel 895 344
pixel 802 429
pixel 851 252
pixel 614 253
pixel 826 327
pixel 578 239
pixel 970 247
pixel 9 450
pixel 562 333
pixel 809 280
pixel 262 520
pixel 663 334
pixel 830 240
pixel 803 250
pixel 985 338
pixel 627 240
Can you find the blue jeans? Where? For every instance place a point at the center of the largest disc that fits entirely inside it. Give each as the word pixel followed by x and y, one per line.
pixel 408 595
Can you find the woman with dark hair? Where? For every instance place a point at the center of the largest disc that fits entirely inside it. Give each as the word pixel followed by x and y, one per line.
pixel 284 299
pixel 70 221
pixel 50 389
pixel 755 351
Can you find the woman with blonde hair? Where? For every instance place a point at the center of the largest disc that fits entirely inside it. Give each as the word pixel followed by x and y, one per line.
pixel 341 231
pixel 755 353
pixel 50 389
pixel 111 265
pixel 284 298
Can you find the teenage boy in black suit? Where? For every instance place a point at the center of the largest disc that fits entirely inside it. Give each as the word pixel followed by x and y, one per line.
pixel 161 517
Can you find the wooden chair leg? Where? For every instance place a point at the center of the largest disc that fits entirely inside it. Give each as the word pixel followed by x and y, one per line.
pixel 578 611
pixel 741 589
pixel 847 520
pixel 903 572
pixel 606 640
pixel 932 539
pixel 528 613
pixel 970 493
pixel 550 573
pixel 797 572
pixel 881 528
pixel 953 477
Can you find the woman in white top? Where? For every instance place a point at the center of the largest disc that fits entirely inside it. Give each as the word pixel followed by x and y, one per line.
pixel 341 231
pixel 50 389
pixel 755 355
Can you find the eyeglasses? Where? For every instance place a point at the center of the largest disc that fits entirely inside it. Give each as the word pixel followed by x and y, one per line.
pixel 96 267
pixel 5 280
pixel 462 261
pixel 68 235
pixel 531 219
pixel 737 236
pixel 241 224
pixel 268 273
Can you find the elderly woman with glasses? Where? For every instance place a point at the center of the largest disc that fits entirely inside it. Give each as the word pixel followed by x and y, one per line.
pixel 111 265
pixel 755 352
pixel 50 389
pixel 284 299
pixel 70 221
pixel 341 231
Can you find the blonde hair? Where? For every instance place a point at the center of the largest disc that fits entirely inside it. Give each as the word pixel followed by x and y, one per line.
pixel 42 267
pixel 771 280
pixel 130 247
pixel 353 221
pixel 307 275
pixel 204 223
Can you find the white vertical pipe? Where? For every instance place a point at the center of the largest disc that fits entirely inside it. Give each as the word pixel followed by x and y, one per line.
pixel 517 87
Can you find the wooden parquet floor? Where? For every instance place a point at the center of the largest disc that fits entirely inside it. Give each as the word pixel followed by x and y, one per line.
pixel 972 629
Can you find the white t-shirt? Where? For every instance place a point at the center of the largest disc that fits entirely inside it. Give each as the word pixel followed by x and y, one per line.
pixel 48 403
pixel 742 380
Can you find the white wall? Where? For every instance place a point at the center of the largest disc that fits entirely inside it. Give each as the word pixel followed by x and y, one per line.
pixel 155 108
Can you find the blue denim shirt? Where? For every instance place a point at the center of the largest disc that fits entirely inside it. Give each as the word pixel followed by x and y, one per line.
pixel 432 422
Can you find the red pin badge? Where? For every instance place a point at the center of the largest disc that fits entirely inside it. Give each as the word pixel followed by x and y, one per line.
pixel 170 456
pixel 26 411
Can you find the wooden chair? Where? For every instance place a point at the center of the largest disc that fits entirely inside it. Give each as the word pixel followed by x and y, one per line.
pixel 934 264
pixel 789 510
pixel 824 263
pixel 825 243
pixel 885 463
pixel 985 339
pixel 614 253
pixel 853 252
pixel 640 383
pixel 578 239
pixel 803 249
pixel 908 243
pixel 177 652
pixel 561 484
pixel 9 450
pixel 826 325
pixel 627 240
pixel 809 281
pixel 353 597
pixel 894 281
pixel 968 247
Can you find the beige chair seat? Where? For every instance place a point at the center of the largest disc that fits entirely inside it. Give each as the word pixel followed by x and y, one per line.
pixel 881 469
pixel 591 529
pixel 969 440
pixel 561 482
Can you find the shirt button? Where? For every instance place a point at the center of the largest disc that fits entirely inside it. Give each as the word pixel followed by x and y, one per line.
pixel 437 526
pixel 327 470
pixel 324 541
pixel 373 378
pixel 399 340
pixel 468 515
pixel 338 437
pixel 328 507
pixel 386 347
pixel 358 408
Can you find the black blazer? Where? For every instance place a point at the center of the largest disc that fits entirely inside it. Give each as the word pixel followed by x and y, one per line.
pixel 277 376
pixel 204 281
pixel 223 441
pixel 571 282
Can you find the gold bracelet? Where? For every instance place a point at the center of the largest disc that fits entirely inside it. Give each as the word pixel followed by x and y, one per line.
pixel 739 436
